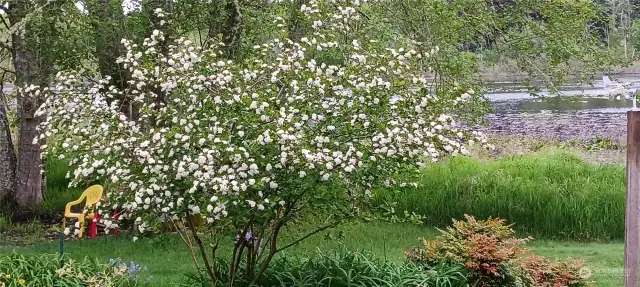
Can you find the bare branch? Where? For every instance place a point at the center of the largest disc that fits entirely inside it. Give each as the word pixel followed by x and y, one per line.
pixel 4 21
pixel 308 235
pixel 187 242
pixel 202 249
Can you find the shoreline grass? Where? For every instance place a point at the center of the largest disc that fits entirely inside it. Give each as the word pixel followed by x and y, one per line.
pixel 548 195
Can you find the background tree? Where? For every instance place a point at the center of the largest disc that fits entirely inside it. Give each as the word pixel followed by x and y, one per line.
pixel 35 31
pixel 547 40
pixel 32 71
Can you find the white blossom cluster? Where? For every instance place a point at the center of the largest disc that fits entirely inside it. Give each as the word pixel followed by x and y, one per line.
pixel 220 139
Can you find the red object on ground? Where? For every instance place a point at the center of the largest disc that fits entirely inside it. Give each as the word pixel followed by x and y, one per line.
pixel 93 225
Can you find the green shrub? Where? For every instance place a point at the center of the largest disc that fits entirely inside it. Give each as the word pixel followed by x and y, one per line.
pixel 553 196
pixel 344 269
pixel 493 256
pixel 47 270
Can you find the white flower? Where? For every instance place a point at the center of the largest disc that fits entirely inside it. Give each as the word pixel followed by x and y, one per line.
pixel 273 185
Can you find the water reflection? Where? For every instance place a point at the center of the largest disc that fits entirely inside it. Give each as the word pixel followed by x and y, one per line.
pixel 562 105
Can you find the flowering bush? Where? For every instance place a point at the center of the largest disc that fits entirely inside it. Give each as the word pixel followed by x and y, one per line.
pixel 494 257
pixel 250 146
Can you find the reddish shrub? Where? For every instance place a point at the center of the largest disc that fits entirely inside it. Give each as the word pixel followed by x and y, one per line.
pixel 494 256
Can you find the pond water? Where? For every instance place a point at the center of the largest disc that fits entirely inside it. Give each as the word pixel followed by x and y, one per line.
pixel 514 99
pixel 575 112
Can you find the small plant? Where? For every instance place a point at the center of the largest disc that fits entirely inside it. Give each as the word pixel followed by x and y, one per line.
pixel 133 270
pixel 602 143
pixel 487 248
pixel 493 256
pixel 540 271
pixel 48 270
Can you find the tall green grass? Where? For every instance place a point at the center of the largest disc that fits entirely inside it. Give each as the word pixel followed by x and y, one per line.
pixel 546 195
pixel 57 193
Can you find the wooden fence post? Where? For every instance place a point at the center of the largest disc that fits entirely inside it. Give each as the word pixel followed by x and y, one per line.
pixel 632 208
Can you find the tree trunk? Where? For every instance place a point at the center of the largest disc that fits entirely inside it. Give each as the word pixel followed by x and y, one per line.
pixel 296 27
pixel 107 20
pixel 167 31
pixel 7 157
pixel 29 180
pixel 216 19
pixel 225 17
pixel 233 30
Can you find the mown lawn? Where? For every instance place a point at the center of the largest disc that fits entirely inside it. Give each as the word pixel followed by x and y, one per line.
pixel 167 258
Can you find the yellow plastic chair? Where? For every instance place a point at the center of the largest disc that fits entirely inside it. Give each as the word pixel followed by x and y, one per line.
pixel 93 194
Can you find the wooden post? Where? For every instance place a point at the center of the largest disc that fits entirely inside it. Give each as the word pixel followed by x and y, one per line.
pixel 632 215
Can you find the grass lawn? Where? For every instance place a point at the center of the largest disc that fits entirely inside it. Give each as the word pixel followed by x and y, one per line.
pixel 167 258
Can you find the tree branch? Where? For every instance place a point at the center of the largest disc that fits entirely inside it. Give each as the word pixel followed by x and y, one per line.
pixel 202 251
pixel 273 249
pixel 308 235
pixel 187 241
pixel 4 21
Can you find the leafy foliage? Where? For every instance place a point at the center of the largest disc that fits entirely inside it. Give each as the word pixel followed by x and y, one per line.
pixel 486 247
pixel 540 271
pixel 493 256
pixel 342 269
pixel 547 40
pixel 48 270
